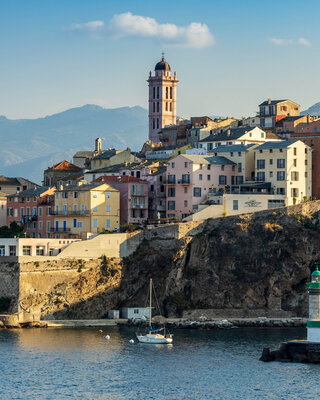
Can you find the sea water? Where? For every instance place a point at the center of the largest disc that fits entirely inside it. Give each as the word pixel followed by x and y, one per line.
pixel 214 364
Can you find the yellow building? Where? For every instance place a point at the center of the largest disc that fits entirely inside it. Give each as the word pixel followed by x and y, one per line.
pixel 112 157
pixel 83 209
pixel 287 165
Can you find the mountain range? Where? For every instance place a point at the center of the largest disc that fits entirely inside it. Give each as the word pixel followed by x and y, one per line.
pixel 31 145
pixel 313 110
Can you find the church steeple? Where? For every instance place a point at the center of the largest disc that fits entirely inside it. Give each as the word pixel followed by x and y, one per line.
pixel 162 99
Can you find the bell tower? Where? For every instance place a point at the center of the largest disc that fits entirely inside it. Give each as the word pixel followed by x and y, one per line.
pixel 162 99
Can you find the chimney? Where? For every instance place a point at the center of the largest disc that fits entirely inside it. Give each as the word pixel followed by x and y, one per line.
pixel 269 101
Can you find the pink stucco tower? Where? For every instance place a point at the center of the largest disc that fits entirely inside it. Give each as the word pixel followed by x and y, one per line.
pixel 162 99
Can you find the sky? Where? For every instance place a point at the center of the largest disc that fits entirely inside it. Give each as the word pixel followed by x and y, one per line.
pixel 229 55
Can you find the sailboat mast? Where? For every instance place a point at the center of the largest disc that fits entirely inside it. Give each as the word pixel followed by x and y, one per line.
pixel 150 308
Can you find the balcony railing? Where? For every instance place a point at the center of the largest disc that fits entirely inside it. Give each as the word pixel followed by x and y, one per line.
pixel 184 181
pixel 60 230
pixel 70 213
pixel 139 206
pixel 29 218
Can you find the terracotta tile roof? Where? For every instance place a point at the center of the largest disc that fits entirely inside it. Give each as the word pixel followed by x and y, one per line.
pixel 65 166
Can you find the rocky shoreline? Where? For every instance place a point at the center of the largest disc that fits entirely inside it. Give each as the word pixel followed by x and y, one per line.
pixel 297 351
pixel 226 323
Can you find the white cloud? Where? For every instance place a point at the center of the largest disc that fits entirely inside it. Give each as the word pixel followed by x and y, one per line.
pixel 284 42
pixel 304 42
pixel 193 35
pixel 280 42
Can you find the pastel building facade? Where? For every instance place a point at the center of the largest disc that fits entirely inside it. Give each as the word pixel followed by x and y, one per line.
pixel 189 179
pixel 272 111
pixel 162 99
pixel 133 197
pixel 84 209
pixel 32 209
pixel 287 166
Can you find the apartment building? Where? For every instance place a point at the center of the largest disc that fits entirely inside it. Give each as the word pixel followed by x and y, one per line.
pixel 111 157
pixel 133 197
pixel 272 111
pixel 14 185
pixel 189 179
pixel 287 165
pixel 244 135
pixel 243 156
pixel 309 133
pixel 54 175
pixel 33 210
pixel 84 209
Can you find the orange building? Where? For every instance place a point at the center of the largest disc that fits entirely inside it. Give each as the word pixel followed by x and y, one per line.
pixel 272 111
pixel 309 133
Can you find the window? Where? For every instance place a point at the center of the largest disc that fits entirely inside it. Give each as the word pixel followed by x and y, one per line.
pixel 57 210
pixel 270 150
pixel 157 92
pixel 197 192
pixel 95 208
pixel 40 250
pixel 171 192
pixel 12 250
pixel 231 153
pixel 306 174
pixel 74 222
pixel 305 162
pixel 107 223
pixel 281 176
pixel 171 93
pixel 208 177
pixel 294 151
pixel 186 203
pixel 294 162
pixel 28 198
pixel 200 177
pixel 294 192
pixel 271 161
pixel 281 191
pixel 95 195
pixel 40 211
pixel 171 179
pixel 142 190
pixel 107 195
pixel 261 176
pixel 15 212
pixel 281 150
pixel 200 166
pixel 26 250
pixel 108 207
pixel 261 164
pixel 157 123
pixel 222 180
pixel 157 106
pixel 185 190
pixel 167 92
pixel 294 176
pixel 153 123
pixel 154 92
pixel 173 165
pixel 64 195
pixel 281 163
pixel 48 226
pixel 154 107
pixel 208 167
pixel 75 194
pixel 235 204
pixel 271 174
pixel 79 224
pixel 171 205
pixel 95 223
pixel 21 211
pixel 82 209
pixel 40 225
pixel 222 167
pixel 75 208
pixel 2 251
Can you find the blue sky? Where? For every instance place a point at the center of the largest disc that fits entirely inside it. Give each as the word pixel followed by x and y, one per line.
pixel 229 55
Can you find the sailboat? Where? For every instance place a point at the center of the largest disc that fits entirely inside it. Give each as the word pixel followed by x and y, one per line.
pixel 154 336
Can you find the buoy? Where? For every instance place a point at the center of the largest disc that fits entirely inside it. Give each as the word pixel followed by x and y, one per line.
pixel 131 341
pixel 108 337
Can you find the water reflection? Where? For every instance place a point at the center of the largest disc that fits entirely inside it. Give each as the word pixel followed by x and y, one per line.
pixel 82 364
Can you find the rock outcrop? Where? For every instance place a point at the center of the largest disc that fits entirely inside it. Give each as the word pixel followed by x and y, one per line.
pixel 253 265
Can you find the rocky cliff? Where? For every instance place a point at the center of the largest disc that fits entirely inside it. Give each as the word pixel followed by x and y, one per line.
pixel 246 265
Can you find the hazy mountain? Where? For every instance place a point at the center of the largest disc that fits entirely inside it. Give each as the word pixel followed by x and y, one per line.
pixel 30 145
pixel 313 110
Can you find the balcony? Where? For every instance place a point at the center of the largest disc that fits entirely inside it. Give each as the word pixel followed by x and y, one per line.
pixel 184 181
pixel 60 230
pixel 29 218
pixel 143 206
pixel 70 213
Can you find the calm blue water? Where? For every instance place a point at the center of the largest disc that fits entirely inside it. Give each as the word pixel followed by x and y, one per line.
pixel 82 364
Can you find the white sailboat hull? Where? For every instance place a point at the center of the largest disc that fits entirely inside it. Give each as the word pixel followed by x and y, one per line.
pixel 154 339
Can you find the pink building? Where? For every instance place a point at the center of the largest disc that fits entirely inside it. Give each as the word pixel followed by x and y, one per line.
pixel 189 179
pixel 133 197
